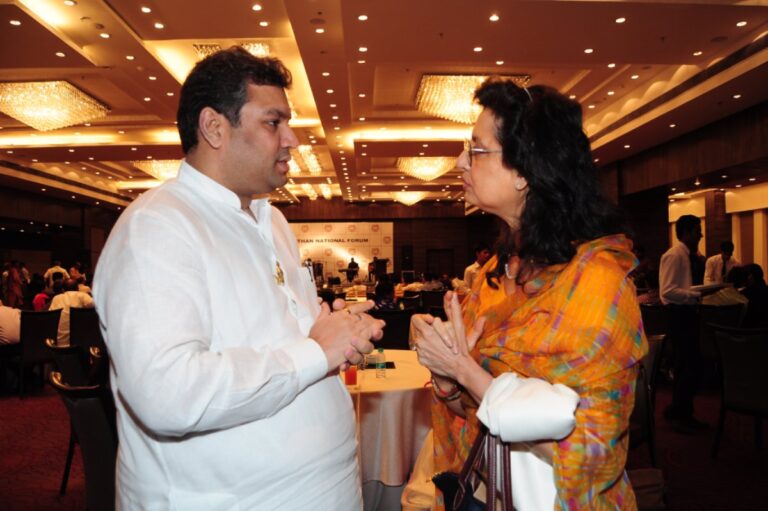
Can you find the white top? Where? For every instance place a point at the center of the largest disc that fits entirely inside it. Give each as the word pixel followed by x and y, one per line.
pixel 223 401
pixel 10 324
pixel 470 272
pixel 65 301
pixel 48 276
pixel 713 272
pixel 675 279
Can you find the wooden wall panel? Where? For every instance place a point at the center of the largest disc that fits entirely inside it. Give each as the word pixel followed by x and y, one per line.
pixel 338 209
pixel 718 225
pixel 747 237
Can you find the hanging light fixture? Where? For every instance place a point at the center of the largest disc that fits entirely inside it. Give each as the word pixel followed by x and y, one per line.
pixel 310 159
pixel 426 168
pixel 309 191
pixel 325 189
pixel 452 96
pixel 162 170
pixel 47 106
pixel 408 198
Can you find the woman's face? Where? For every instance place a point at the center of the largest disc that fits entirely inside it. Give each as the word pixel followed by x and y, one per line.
pixel 488 184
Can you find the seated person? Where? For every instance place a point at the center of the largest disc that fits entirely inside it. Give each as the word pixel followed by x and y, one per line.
pixel 385 295
pixel 10 324
pixel 71 297
pixel 431 283
pixel 756 292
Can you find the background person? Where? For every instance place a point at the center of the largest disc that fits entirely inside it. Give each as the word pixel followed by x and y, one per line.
pixel 555 303
pixel 719 265
pixel 226 380
pixel 482 254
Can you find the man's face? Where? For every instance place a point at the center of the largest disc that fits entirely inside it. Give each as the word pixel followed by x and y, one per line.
pixel 692 237
pixel 483 256
pixel 727 254
pixel 257 151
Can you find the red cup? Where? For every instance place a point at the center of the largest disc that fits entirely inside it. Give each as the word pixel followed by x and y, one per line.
pixel 350 375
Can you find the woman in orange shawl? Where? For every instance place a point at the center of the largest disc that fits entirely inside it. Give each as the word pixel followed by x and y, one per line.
pixel 555 303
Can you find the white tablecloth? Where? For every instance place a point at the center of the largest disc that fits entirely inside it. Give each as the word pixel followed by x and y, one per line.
pixel 393 417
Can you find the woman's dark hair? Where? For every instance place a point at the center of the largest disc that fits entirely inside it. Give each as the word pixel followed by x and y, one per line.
pixel 541 135
pixel 220 81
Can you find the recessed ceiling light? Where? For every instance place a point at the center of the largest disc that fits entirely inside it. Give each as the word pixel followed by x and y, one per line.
pixel 60 54
pixel 71 150
pixel 424 145
pixel 361 119
pixel 635 77
pixel 169 93
pixel 337 128
pixel 621 20
pixel 589 50
pixel 752 178
pixel 724 176
pixel 611 93
pixel 674 189
pixel 673 125
pixel 361 95
pixel 320 30
pixel 363 17
pixel 129 57
pixel 362 49
pixel 70 3
pixel 494 17
pixel 626 146
pixel 698 53
pixel 134 149
pixel 477 49
pixel 741 24
pixel 326 73
pixel 104 35
pixel 361 62
pixel 333 105
pixel 736 96
pixel 256 7
pixel 738 186
pixel 159 25
pixel 596 160
pixel 146 10
pixel 499 62
pixel 612 65
pixel 263 23
pixel 365 154
pixel 335 117
pixel 147 99
pixel 329 91
pixel 15 23
pixel 572 96
pixel 122 132
pixel 591 106
pixel 153 78
pixel 43 189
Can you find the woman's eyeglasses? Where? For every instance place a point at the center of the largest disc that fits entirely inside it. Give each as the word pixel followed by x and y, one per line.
pixel 473 151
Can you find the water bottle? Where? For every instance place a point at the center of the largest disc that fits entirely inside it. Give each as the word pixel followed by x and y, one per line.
pixel 381 364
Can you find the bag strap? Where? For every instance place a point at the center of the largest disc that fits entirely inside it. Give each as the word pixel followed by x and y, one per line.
pixel 484 454
pixel 468 476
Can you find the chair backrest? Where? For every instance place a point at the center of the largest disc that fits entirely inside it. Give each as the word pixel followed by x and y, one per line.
pixel 654 319
pixel 72 362
pixel 84 328
pixel 36 327
pixel 720 315
pixel 642 420
pixel 742 355
pixel 411 302
pixel 396 330
pixel 92 413
pixel 432 299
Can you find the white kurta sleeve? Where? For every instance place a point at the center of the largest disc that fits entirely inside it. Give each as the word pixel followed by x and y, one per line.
pixel 153 300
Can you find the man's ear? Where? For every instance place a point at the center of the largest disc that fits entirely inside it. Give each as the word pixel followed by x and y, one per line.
pixel 520 183
pixel 212 127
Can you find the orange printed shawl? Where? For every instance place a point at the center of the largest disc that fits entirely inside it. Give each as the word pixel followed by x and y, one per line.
pixel 577 324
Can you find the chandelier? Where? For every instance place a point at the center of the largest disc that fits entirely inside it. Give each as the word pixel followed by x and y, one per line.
pixel 162 170
pixel 452 96
pixel 309 191
pixel 256 49
pixel 408 198
pixel 325 189
pixel 426 168
pixel 310 159
pixel 47 106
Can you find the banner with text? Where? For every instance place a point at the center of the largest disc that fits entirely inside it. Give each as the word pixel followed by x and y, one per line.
pixel 335 244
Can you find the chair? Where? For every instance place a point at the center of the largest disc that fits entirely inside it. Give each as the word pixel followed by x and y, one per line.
pixel 654 319
pixel 432 299
pixel 742 355
pixel 411 302
pixel 91 411
pixel 396 332
pixel 714 315
pixel 31 350
pixel 642 426
pixel 84 329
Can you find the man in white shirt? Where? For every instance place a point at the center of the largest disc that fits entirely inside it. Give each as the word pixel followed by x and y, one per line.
pixel 482 254
pixel 718 266
pixel 226 376
pixel 10 324
pixel 675 282
pixel 71 297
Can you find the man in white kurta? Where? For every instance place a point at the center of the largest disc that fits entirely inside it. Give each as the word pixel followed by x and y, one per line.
pixel 222 359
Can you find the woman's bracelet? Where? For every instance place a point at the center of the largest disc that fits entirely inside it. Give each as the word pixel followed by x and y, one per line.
pixel 451 395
